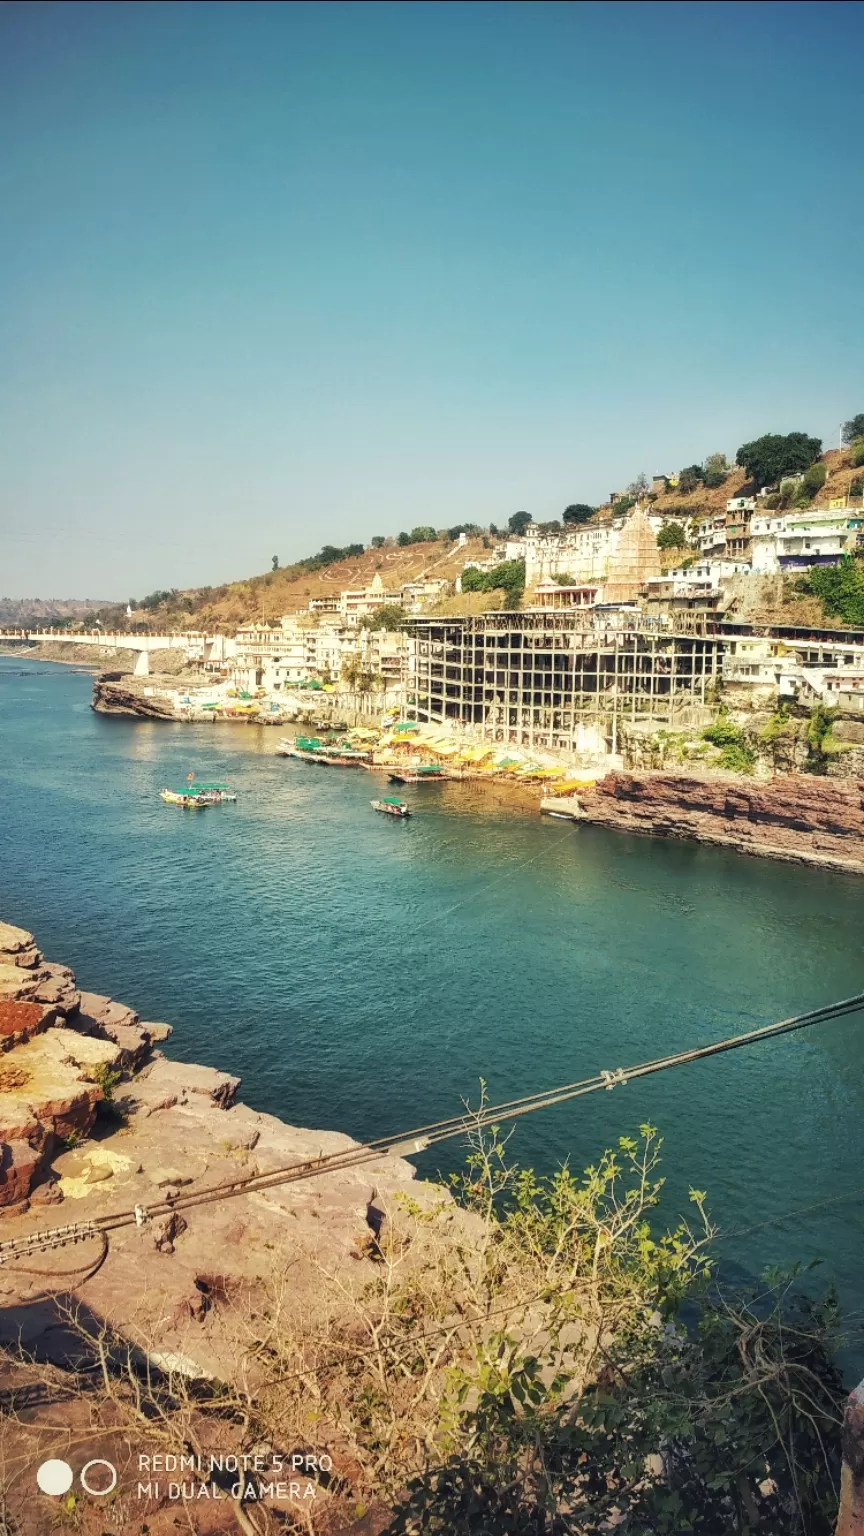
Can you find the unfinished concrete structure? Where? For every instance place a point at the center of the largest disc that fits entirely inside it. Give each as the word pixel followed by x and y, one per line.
pixel 556 679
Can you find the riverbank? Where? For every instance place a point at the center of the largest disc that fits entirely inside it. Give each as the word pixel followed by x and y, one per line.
pixel 801 819
pixel 95 1121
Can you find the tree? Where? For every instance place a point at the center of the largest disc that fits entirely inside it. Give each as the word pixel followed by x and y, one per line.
pixel 377 542
pixel 423 535
pixel 578 512
pixel 715 470
pixel 275 562
pixel 519 522
pixel 812 481
pixel 852 429
pixel 672 537
pixel 640 486
pixel 509 576
pixel 858 452
pixel 623 505
pixel 767 458
pixel 689 478
pixel 403 539
pixel 493 529
pixel 389 616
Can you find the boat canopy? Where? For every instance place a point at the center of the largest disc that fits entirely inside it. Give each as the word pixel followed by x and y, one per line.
pixel 390 800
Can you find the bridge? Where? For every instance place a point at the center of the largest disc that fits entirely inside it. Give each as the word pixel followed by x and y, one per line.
pixel 106 640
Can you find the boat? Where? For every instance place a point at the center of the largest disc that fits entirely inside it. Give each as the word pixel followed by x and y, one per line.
pixel 215 794
pixel 417 775
pixel 328 754
pixel 190 800
pixel 390 806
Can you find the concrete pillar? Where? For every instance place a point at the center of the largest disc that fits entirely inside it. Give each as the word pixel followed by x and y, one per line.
pixel 850 1521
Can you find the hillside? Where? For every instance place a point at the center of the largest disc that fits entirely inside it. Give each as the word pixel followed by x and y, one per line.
pixel 267 597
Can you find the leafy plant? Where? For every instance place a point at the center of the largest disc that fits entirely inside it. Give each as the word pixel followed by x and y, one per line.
pixel 858 452
pixel 736 756
pixel 672 537
pixel 766 459
pixel 519 522
pixel 853 429
pixel 716 469
pixel 509 576
pixel 812 481
pixel 841 588
pixel 578 512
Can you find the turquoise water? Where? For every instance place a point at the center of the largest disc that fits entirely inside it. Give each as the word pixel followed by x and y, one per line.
pixel 363 974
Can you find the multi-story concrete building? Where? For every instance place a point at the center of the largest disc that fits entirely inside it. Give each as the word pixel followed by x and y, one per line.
pixel 793 541
pixel 553 679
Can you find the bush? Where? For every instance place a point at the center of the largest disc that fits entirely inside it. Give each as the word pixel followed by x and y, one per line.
pixel 389 616
pixel 623 505
pixel 737 756
pixel 689 478
pixel 858 452
pixel 853 429
pixel 856 486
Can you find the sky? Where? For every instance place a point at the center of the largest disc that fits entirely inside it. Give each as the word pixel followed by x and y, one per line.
pixel 278 275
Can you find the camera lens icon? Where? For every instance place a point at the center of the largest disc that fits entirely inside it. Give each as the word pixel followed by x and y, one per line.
pixel 97 1477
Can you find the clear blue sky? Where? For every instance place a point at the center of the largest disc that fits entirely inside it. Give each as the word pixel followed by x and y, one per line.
pixel 284 274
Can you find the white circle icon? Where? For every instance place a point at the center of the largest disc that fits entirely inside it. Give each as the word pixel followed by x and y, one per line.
pixel 54 1477
pixel 112 1472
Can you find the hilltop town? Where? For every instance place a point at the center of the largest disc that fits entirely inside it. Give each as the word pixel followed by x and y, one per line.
pixel 711 618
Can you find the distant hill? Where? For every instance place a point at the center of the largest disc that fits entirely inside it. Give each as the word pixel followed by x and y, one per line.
pixel 27 612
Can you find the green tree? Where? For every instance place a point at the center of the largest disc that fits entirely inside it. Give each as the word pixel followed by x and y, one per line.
pixel 858 452
pixel 623 505
pixel 689 478
pixel 578 512
pixel 813 480
pixel 388 616
pixel 377 542
pixel 519 522
pixel 841 588
pixel 766 459
pixel 509 576
pixel 275 563
pixel 423 535
pixel 853 428
pixel 715 470
pixel 672 537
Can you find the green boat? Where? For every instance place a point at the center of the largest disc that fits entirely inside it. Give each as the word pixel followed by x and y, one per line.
pixel 390 806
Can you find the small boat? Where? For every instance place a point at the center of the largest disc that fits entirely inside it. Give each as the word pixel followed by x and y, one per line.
pixel 390 806
pixel 214 794
pixel 416 775
pixel 188 800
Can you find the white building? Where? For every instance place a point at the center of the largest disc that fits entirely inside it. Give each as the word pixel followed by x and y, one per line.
pixel 790 541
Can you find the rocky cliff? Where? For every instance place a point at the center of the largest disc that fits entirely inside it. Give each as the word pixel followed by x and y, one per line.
pixel 94 1118
pixel 804 819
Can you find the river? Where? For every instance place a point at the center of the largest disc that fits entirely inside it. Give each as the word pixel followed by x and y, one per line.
pixel 363 974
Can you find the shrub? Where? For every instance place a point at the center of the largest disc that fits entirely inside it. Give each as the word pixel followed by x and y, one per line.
pixel 856 486
pixel 858 452
pixel 623 505
pixel 841 588
pixel 853 429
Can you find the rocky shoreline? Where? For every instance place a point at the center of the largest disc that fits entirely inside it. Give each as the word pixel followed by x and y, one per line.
pixel 801 819
pixel 95 1118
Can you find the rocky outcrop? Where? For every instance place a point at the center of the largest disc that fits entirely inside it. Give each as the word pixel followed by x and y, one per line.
pixel 123 698
pixel 804 819
pixel 180 1284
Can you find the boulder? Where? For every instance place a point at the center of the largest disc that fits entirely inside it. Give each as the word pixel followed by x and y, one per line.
pixel 20 1166
pixel 18 1021
pixel 166 1083
pixel 13 941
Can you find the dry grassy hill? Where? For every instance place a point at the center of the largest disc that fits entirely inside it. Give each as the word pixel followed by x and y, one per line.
pixel 263 598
